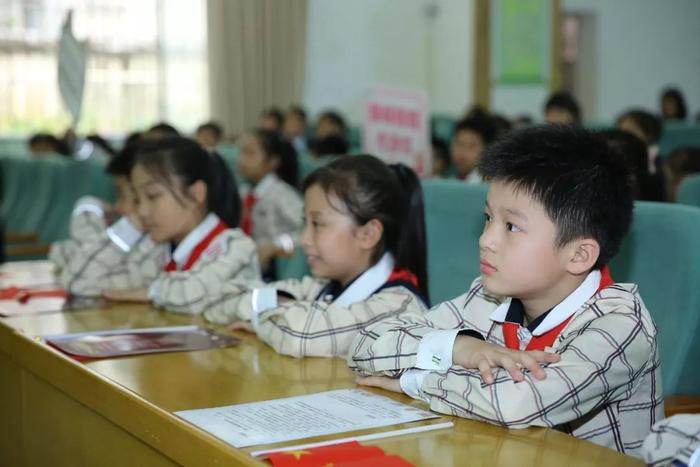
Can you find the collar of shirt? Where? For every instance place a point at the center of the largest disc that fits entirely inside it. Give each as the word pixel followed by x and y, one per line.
pixel 556 315
pixel 184 249
pixel 366 283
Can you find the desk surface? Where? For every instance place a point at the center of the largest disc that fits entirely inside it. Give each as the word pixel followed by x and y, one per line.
pixel 163 383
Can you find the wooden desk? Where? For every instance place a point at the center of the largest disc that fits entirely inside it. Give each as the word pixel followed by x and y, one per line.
pixel 118 412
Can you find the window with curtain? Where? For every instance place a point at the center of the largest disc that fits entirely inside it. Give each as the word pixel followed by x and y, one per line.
pixel 146 63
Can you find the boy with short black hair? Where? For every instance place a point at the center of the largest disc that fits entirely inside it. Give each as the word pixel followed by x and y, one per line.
pixel 544 337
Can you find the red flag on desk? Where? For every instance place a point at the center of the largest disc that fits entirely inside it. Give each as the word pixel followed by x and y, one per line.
pixel 351 454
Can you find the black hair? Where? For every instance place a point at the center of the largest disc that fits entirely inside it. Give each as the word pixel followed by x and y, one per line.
pixel 298 110
pixel 122 163
pixel 572 172
pixel 186 160
pixel 335 118
pixel 276 114
pixel 370 189
pixel 212 126
pixel 329 146
pixel 481 125
pixel 274 145
pixel 59 146
pixel 676 95
pixel 633 151
pixel 102 143
pixel 441 150
pixel 564 101
pixel 648 123
pixel 164 129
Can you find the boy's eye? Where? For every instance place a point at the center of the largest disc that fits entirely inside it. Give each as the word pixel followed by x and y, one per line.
pixel 487 217
pixel 512 227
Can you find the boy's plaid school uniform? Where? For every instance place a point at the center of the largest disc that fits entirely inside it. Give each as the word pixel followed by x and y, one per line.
pixel 606 388
pixel 674 441
pixel 97 257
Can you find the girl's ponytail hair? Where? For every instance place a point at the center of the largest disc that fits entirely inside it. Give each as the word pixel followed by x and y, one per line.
pixel 411 250
pixel 186 161
pixel 369 189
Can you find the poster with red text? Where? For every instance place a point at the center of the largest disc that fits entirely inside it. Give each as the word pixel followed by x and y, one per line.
pixel 396 127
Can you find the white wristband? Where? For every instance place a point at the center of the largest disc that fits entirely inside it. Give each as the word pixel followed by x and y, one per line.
pixel 411 382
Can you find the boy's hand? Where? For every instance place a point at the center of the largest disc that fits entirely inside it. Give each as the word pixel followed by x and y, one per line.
pixel 390 384
pixel 472 353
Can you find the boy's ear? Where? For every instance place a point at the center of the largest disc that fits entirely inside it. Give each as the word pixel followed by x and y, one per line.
pixel 585 253
pixel 370 234
pixel 198 192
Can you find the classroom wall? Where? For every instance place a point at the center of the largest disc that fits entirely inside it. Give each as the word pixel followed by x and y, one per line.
pixel 644 45
pixel 352 46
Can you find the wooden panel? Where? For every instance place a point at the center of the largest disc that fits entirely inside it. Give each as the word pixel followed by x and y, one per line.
pixel 482 53
pixel 10 410
pixel 59 428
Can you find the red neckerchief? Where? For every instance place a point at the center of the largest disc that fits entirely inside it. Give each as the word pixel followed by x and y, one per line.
pixel 198 250
pixel 510 330
pixel 247 215
pixel 403 275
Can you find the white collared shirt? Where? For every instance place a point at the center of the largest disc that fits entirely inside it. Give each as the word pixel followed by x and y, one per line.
pixel 189 243
pixel 361 289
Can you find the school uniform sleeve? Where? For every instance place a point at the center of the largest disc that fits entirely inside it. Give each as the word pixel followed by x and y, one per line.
pixel 391 346
pixel 317 328
pixel 87 223
pixel 231 257
pixel 673 441
pixel 237 299
pixel 120 258
pixel 602 361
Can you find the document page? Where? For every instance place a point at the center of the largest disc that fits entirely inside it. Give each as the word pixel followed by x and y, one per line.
pixel 299 417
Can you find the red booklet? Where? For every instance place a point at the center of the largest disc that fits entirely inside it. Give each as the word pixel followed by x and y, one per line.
pixel 123 342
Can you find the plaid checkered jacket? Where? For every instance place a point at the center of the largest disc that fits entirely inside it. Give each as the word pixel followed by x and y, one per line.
pixel 277 211
pixel 306 326
pixel 231 256
pixel 90 262
pixel 674 439
pixel 606 388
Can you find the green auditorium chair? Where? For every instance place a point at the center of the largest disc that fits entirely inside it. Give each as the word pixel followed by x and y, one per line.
pixel 662 255
pixel 689 191
pixel 678 134
pixel 454 216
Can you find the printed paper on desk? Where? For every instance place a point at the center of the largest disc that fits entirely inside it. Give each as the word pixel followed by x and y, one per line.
pixel 300 417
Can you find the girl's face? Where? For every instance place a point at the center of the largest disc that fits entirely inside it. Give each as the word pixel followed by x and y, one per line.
pixel 669 107
pixel 253 162
pixel 467 147
pixel 332 241
pixel 125 204
pixel 165 216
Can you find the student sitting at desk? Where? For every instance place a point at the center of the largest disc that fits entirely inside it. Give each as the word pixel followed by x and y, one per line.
pixel 364 238
pixel 187 198
pixel 545 337
pixel 98 257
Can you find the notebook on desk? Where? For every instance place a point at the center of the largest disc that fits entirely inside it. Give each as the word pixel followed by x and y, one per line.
pixel 126 342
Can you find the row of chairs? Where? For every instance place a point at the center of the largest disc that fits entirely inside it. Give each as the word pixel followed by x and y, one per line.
pixel 661 254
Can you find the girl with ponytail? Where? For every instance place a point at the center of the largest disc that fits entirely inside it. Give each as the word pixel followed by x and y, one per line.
pixel 364 238
pixel 187 197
